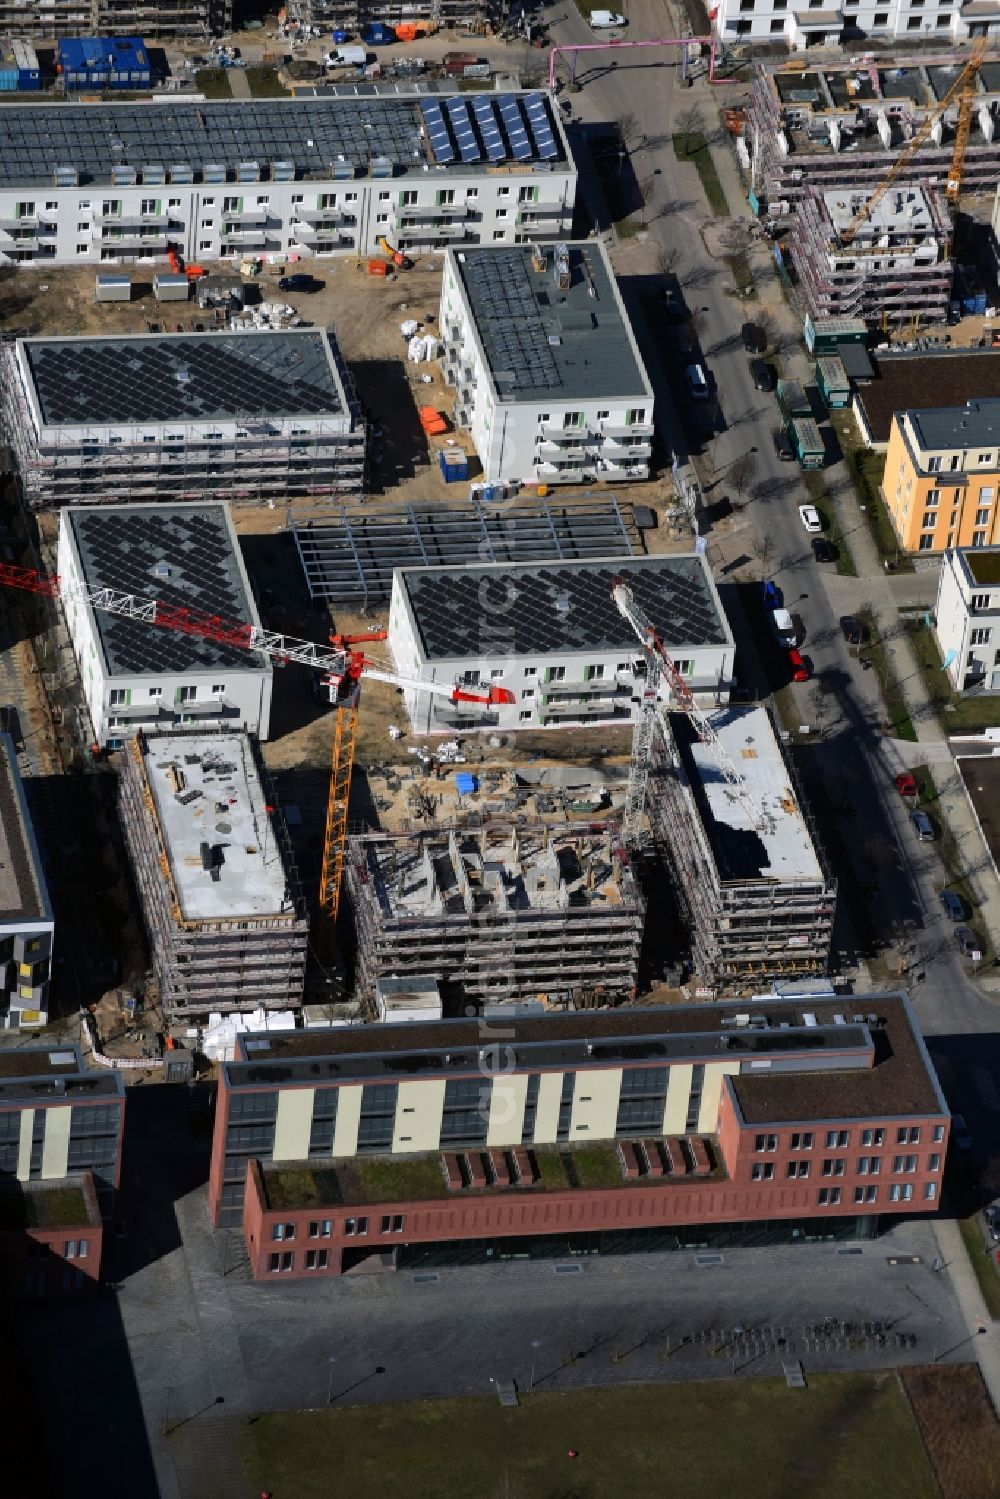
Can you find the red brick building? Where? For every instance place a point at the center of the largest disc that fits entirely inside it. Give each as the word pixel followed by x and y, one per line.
pixel 762 1121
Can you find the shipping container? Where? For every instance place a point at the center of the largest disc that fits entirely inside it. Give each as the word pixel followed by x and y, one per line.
pixel 832 382
pixel 807 440
pixel 171 286
pixel 793 400
pixel 8 80
pixel 102 62
pixel 112 288
pixel 377 35
pixel 25 59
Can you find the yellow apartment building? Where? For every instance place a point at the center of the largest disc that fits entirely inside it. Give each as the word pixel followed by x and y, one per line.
pixel 941 474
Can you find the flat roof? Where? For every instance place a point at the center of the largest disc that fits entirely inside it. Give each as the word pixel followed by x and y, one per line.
pixel 212 811
pixel 183 555
pixel 914 382
pixel 23 893
pixel 904 209
pixel 557 608
pixel 183 377
pixel 34 1074
pixel 542 341
pixel 883 1065
pixel 784 848
pixel 983 563
pixel 957 426
pixel 283 138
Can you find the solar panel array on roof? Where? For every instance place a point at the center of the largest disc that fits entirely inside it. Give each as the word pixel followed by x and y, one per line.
pixel 182 556
pixel 182 377
pixel 314 134
pixel 519 349
pixel 496 129
pixel 354 556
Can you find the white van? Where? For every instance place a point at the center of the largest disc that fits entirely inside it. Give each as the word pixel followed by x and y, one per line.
pixel 697 383
pixel 346 57
pixel 605 20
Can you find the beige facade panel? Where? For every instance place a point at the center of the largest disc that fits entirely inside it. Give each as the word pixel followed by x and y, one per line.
pixel 678 1095
pixel 547 1109
pixel 345 1134
pixel 24 1145
pixel 55 1148
pixel 293 1124
pixel 506 1120
pixel 419 1107
pixel 594 1115
pixel 708 1114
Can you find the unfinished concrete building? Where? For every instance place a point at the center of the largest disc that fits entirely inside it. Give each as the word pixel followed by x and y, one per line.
pixel 227 926
pixel 167 19
pixel 477 17
pixel 247 417
pixel 843 124
pixel 497 916
pixel 895 265
pixel 759 902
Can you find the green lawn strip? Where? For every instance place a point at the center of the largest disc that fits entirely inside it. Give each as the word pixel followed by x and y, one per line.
pixel 55 1207
pixel 693 148
pixel 955 713
pixel 982 1263
pixel 213 83
pixel 742 276
pixel 832 530
pixel 951 857
pixel 265 84
pixel 845 1437
pixel 898 720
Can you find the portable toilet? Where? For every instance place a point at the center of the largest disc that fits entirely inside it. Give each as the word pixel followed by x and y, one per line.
pixel 466 784
pixel 454 464
pixel 171 286
pixel 112 288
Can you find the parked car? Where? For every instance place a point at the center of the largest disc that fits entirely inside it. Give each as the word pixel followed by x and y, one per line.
pixel 968 943
pixel 906 783
pixel 773 598
pixel 753 338
pixel 800 671
pixel 783 446
pixel 952 906
pixel 852 631
pixel 992 1216
pixel 299 282
pixel 960 1132
pixel 823 550
pixel 675 312
pixel 763 375
pixel 922 826
pixel 697 382
pixel 809 516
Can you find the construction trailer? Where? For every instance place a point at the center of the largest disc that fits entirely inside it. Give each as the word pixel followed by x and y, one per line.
pixel 497 915
pixel 167 19
pixel 844 124
pixel 759 902
pixel 894 266
pixel 227 925
pixel 832 382
pixel 248 417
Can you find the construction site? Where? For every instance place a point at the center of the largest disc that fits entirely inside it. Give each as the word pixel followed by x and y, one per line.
pixel 249 417
pixel 747 869
pixel 171 20
pixel 478 17
pixel 537 913
pixel 227 927
pixel 864 168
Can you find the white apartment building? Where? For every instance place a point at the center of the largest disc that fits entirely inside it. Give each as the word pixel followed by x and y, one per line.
pixel 828 23
pixel 551 385
pixel 967 617
pixel 135 675
pixel 550 633
pixel 82 183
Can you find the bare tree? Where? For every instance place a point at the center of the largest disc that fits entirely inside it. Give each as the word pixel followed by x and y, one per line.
pixel 740 472
pixel 762 546
pixel 688 122
pixel 627 126
pixel 667 257
pixel 735 237
pixel 767 323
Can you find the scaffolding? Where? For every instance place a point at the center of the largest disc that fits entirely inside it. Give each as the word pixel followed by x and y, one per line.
pixel 256 463
pixel 476 17
pixel 896 266
pixel 42 20
pixel 211 964
pixel 498 914
pixel 743 931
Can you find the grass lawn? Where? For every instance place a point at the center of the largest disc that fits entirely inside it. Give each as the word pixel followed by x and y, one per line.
pixel 58 1207
pixel 979 1255
pixel 831 526
pixel 898 720
pixel 956 714
pixel 264 84
pixel 845 1437
pixel 742 277
pixel 948 850
pixel 694 148
pixel 959 1429
pixel 213 83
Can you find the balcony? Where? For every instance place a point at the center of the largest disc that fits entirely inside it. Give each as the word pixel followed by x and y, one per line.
pixel 322 215
pixel 26 221
pixel 245 235
pixel 532 212
pixel 415 213
pixel 626 429
pixel 624 470
pixel 151 242
pixel 130 216
pixel 564 437
pixel 245 215
pixel 618 451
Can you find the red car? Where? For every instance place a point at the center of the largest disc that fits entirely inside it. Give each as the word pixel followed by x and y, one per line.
pixel 906 783
pixel 800 671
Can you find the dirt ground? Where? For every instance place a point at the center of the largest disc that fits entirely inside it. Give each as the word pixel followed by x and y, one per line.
pixel 958 1427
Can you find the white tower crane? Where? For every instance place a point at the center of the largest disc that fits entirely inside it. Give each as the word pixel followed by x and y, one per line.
pixel 660 666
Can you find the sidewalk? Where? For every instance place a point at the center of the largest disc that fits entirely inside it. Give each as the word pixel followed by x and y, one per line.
pixel 983 1346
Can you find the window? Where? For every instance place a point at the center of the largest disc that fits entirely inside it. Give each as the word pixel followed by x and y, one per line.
pixel 765 1142
pixel 281 1231
pixel 938 1134
pixel 317 1259
pixel 907 1135
pixel 762 1171
pixel 280 1262
pixel 929 521
pixel 903 1164
pixel 983 517
pixel 801 1140
pixel 933 497
pixel 835 1138
pixel 881 18
pixel 779 26
pixel 391 1225
pixel 913 23
pixel 186 694
pixel 873 1137
pixel 934 1162
pixel 154 693
pixel 69 1249
pixel 797 1168
pixel 320 1228
pixel 218 689
pixel 902 1192
pixel 555 674
pixel 979 538
pixel 828 1197
pixel 980 637
pixel 927 543
pixel 118 697
pixel 525 714
pixel 930 1191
